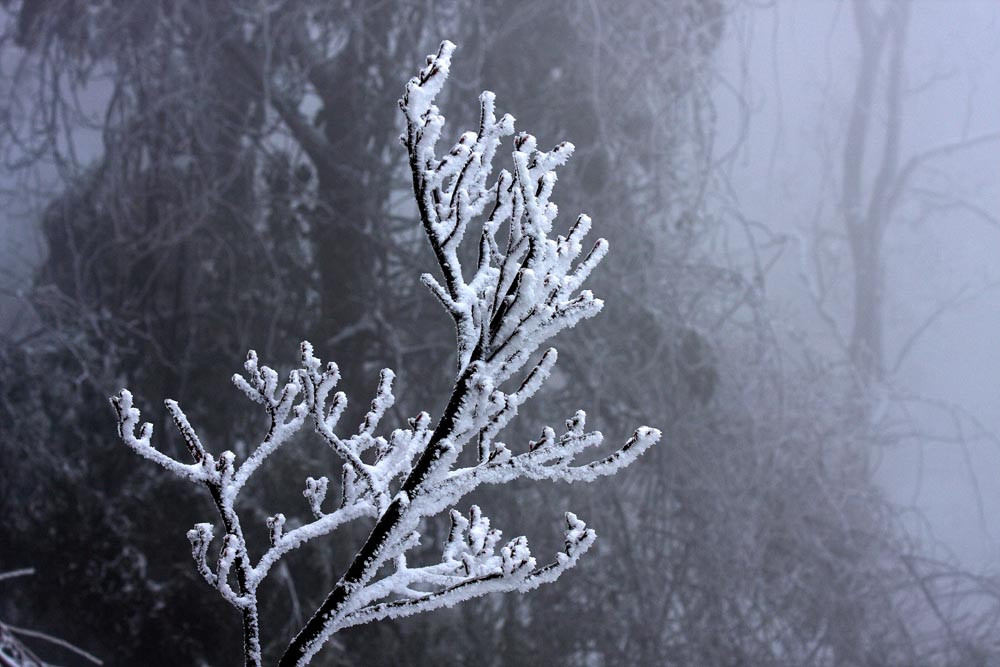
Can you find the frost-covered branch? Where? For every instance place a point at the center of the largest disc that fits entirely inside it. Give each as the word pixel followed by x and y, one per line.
pixel 470 568
pixel 525 287
pixel 523 291
pixel 305 394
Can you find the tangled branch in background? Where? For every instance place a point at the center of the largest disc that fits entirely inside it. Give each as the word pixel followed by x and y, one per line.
pixel 15 653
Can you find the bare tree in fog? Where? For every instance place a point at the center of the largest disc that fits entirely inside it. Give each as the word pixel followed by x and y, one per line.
pixel 946 613
pixel 877 180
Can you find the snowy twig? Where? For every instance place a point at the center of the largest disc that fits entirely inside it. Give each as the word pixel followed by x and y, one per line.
pixel 480 573
pixel 366 488
pixel 522 293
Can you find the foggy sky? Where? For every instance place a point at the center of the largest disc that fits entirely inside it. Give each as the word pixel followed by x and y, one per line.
pixel 791 67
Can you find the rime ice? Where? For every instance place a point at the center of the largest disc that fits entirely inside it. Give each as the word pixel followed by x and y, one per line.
pixel 525 288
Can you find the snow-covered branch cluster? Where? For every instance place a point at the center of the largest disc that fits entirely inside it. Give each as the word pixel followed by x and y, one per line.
pixel 304 398
pixel 470 566
pixel 524 290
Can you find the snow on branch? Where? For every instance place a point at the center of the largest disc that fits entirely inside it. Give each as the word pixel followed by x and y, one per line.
pixel 525 287
pixel 470 568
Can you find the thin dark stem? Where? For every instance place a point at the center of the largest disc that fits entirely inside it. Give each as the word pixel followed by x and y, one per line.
pixel 386 529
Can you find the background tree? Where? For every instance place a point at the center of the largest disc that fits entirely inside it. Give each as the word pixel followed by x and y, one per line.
pixel 879 184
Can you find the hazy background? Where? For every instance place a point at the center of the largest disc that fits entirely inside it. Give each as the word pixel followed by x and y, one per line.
pixel 793 65
pixel 184 180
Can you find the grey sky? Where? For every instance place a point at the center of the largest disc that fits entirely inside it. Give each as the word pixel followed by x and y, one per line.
pixel 794 65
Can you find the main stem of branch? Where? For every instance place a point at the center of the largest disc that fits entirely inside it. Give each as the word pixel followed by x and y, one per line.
pixel 386 530
pixel 251 622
